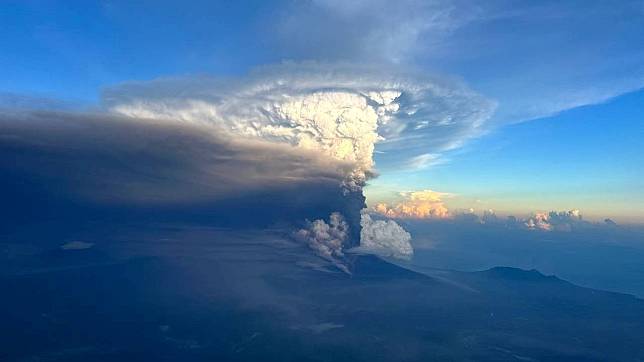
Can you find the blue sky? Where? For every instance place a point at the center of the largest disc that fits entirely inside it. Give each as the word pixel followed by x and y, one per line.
pixel 567 132
pixel 588 158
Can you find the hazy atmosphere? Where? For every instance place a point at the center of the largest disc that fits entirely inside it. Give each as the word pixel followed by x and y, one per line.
pixel 321 180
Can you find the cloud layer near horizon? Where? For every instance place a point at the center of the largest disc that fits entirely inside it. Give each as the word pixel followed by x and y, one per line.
pixel 416 205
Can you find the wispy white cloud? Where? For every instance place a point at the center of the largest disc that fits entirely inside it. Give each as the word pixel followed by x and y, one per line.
pixel 535 58
pixel 423 161
pixel 379 30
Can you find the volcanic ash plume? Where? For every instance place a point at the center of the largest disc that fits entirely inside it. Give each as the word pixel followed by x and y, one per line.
pixel 321 115
pixel 327 239
pixel 337 111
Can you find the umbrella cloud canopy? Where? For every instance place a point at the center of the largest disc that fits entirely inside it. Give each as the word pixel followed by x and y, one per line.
pixel 340 111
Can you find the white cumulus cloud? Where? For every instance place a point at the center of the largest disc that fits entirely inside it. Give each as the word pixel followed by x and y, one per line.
pixel 384 237
pixel 416 204
pixel 561 221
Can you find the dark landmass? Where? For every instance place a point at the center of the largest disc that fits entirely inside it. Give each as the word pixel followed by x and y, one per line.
pixel 197 294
